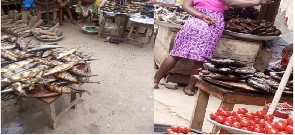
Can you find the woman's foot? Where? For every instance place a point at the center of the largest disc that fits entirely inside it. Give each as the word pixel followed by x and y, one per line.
pixel 156 86
pixel 189 92
pixel 73 22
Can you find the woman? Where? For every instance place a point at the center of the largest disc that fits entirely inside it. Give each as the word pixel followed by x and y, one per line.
pixel 199 35
pixel 41 8
pixel 64 5
pixel 86 8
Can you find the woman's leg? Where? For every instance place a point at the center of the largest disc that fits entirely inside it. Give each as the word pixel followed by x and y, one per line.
pixel 67 9
pixel 190 88
pixel 167 65
pixel 60 16
pixel 54 14
pixel 39 15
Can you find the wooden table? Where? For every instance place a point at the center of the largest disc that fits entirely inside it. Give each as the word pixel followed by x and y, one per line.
pixel 120 17
pixel 138 25
pixel 228 99
pixel 49 108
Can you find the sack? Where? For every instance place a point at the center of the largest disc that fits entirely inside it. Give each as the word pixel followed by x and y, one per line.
pixel 285 58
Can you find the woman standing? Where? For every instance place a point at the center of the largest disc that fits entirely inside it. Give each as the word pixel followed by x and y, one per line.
pixel 199 35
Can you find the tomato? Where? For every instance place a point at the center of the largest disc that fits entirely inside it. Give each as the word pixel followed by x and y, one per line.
pixel 262 123
pixel 234 113
pixel 220 119
pixel 236 125
pixel 252 122
pixel 268 126
pixel 214 115
pixel 225 113
pixel 186 130
pixel 241 111
pixel 250 115
pixel 245 123
pixel 260 113
pixel 230 118
pixel 256 120
pixel 280 125
pixel 244 110
pixel 174 128
pixel 180 130
pixel 290 121
pixel 239 117
pixel 227 123
pixel 247 128
pixel 268 117
pixel 256 126
pixel 259 130
pixel 168 130
pixel 272 131
pixel 289 129
pixel 221 109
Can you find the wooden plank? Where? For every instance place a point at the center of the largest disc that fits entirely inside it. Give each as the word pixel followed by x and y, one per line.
pixel 49 110
pixel 73 98
pixel 200 110
pixel 262 60
pixel 49 100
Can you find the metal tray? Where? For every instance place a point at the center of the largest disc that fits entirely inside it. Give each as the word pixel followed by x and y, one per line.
pixel 249 36
pixel 51 40
pixel 89 32
pixel 166 24
pixel 161 129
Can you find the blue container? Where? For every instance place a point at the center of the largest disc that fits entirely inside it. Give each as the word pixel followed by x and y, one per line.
pixel 28 3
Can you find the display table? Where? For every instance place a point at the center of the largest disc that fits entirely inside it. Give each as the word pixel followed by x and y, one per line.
pixel 138 22
pixel 228 99
pixel 49 108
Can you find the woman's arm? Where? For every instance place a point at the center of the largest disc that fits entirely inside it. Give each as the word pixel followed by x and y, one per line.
pixel 246 3
pixel 189 7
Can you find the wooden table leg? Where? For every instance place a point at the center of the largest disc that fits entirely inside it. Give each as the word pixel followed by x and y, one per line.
pixel 49 110
pixel 21 103
pixel 200 110
pixel 229 107
pixel 136 32
pixel 130 33
pixel 73 98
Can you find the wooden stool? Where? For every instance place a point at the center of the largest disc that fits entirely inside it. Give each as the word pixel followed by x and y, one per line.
pixel 147 36
pixel 120 17
pixel 228 99
pixel 49 107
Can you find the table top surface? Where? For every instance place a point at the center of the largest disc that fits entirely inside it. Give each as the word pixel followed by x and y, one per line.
pixel 11 2
pixel 213 88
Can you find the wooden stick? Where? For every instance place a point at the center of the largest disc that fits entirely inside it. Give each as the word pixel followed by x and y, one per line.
pixel 282 85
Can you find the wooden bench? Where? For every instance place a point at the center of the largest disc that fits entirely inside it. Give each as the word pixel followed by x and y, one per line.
pixel 49 108
pixel 228 99
pixel 147 36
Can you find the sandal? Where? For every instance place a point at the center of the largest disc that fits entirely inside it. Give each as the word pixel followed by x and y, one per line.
pixel 187 93
pixel 74 23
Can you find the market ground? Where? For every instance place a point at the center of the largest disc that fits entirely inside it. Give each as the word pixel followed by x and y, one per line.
pixel 122 103
pixel 173 107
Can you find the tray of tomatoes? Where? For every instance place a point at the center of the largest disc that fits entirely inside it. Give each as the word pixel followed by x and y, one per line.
pixel 244 122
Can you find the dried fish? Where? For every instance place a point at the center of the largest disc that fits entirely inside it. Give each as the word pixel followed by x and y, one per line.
pixel 259 84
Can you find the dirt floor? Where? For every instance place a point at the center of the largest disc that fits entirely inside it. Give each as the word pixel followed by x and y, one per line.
pixel 122 103
pixel 173 107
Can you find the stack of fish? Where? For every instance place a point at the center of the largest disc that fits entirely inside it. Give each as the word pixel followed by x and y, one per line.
pixel 27 66
pixel 171 15
pixel 233 70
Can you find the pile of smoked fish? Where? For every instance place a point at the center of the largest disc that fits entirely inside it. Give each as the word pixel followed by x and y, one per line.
pixel 248 12
pixel 29 66
pixel 171 15
pixel 233 70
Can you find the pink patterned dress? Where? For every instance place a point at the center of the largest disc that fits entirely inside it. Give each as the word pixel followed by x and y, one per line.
pixel 196 39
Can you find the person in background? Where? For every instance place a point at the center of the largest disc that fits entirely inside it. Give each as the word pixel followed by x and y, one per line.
pixel 281 47
pixel 64 5
pixel 199 35
pixel 85 8
pixel 41 8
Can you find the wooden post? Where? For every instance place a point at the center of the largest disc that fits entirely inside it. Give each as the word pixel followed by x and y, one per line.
pixel 21 103
pixel 269 12
pixel 73 98
pixel 49 110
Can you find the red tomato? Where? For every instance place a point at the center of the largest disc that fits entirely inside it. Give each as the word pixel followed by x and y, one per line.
pixel 283 132
pixel 174 128
pixel 186 130
pixel 260 113
pixel 272 131
pixel 221 109
pixel 244 110
pixel 245 123
pixel 280 125
pixel 213 115
pixel 256 126
pixel 289 129
pixel 268 117
pixel 225 113
pixel 227 123
pixel 234 113
pixel 240 111
pixel 268 126
pixel 168 130
pixel 250 115
pixel 230 118
pixel 262 123
pixel 259 130
pixel 244 128
pixel 236 125
pixel 256 120
pixel 290 121
pixel 239 117
pixel 180 130
pixel 220 119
